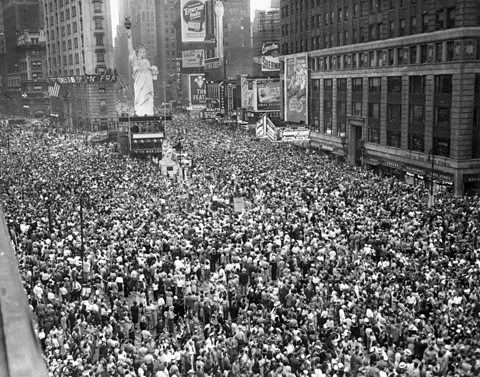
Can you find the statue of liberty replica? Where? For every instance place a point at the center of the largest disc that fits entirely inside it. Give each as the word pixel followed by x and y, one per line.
pixel 143 76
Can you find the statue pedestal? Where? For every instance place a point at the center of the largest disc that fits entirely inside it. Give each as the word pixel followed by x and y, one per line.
pixel 168 167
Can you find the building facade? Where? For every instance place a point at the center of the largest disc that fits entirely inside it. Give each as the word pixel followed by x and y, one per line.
pixel 79 58
pixel 17 17
pixel 33 73
pixel 266 35
pixel 392 84
pixel 168 43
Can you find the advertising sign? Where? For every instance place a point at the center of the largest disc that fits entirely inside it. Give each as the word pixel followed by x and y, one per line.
pixel 268 95
pixel 193 20
pixel 296 86
pixel 198 91
pixel 193 59
pixel 212 63
pixel 229 97
pixel 244 91
pixel 270 61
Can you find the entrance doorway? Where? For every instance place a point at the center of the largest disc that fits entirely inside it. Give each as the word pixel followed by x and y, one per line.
pixel 355 147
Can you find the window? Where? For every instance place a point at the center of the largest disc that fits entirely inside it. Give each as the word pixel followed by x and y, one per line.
pixel 342 108
pixel 74 11
pixel 441 146
pixel 374 85
pixel 355 10
pixel 374 110
pixel 97 7
pixel 357 108
pixel 416 114
pixel 394 113
pixel 393 138
pixel 69 44
pixel 328 85
pixel 346 15
pixel 99 39
pixel 74 26
pixel 103 106
pixel 417 84
pixel 413 55
pixel 443 84
pixel 340 15
pixel 98 23
pixel 341 129
pixel 69 29
pixel 391 56
pixel 423 54
pixel 450 51
pixel 401 29
pixel 440 20
pixel 442 116
pixel 413 25
pixel 357 85
pixel 374 135
pixel 394 84
pixel 67 14
pixel 438 52
pixel 424 23
pixel 75 42
pixel 392 29
pixel 77 58
pixel 342 85
pixel 100 56
pixel 450 18
pixel 416 142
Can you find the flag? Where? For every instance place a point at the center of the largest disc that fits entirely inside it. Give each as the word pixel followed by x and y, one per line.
pixel 54 90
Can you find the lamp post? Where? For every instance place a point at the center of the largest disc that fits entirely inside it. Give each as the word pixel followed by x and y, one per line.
pixel 432 161
pixel 84 199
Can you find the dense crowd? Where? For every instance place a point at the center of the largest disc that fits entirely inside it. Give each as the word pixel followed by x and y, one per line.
pixel 329 270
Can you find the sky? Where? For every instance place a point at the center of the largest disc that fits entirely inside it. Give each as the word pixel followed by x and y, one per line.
pixel 254 4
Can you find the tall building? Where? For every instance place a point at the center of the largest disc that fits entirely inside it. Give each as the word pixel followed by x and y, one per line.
pixel 122 65
pixel 167 14
pixel 394 85
pixel 17 17
pixel 266 35
pixel 237 46
pixel 80 58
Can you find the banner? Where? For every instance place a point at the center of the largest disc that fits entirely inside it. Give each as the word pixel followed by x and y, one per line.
pixel 198 91
pixel 193 59
pixel 296 86
pixel 268 95
pixel 193 20
pixel 270 61
pixel 83 78
pixel 260 127
pixel 212 63
pixel 291 135
pixel 271 129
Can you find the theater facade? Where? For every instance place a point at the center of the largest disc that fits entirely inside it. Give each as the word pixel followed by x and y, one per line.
pixel 391 85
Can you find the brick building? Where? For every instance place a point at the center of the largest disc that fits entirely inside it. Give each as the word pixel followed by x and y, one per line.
pixel 79 44
pixel 393 84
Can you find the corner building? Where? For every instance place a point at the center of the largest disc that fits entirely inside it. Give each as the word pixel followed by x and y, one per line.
pixel 79 43
pixel 393 84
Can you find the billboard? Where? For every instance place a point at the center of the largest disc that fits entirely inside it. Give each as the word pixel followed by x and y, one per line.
pixel 270 61
pixel 193 59
pixel 296 86
pixel 268 95
pixel 193 20
pixel 198 91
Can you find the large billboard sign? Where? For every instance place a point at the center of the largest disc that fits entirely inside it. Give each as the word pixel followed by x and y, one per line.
pixel 296 89
pixel 198 91
pixel 193 59
pixel 270 57
pixel 268 95
pixel 193 20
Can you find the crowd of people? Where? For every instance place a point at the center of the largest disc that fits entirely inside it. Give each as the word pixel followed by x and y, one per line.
pixel 327 269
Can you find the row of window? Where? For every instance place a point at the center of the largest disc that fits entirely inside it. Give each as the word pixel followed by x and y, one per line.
pixel 416 84
pixel 387 29
pixel 446 51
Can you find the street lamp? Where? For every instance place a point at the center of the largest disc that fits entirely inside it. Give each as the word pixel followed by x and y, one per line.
pixel 84 199
pixel 432 161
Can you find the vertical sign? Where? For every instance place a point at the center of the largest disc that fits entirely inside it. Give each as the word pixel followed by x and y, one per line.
pixel 193 20
pixel 198 91
pixel 230 97
pixel 244 91
pixel 296 86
